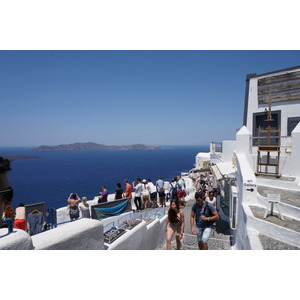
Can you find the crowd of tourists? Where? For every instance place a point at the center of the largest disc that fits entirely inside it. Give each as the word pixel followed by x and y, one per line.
pixel 203 213
pixel 147 195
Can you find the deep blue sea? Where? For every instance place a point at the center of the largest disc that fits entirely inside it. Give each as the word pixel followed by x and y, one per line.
pixel 55 175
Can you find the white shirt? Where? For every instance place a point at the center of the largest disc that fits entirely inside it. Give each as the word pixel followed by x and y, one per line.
pixel 151 187
pixel 138 190
pixel 213 201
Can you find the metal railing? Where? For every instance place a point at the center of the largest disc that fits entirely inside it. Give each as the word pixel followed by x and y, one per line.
pixel 51 218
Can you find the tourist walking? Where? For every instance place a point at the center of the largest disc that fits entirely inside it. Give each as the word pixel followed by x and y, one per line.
pixel 174 225
pixel 84 208
pixel 173 189
pixel 211 199
pixel 103 195
pixel 181 191
pixel 20 218
pixel 119 193
pixel 203 215
pixel 138 186
pixel 73 201
pixel 153 193
pixel 161 191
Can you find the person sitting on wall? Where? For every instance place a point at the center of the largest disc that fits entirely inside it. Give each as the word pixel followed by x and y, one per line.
pixel 103 195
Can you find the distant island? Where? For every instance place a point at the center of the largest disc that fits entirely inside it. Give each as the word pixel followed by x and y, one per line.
pixel 92 147
pixel 12 158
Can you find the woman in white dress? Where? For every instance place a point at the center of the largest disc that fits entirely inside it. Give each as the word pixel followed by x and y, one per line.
pixel 84 208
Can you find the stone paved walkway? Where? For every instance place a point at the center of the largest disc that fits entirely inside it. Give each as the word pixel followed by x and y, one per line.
pixel 219 240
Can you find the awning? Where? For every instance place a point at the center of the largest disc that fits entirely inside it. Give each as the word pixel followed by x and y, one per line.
pixel 223 169
pixel 216 172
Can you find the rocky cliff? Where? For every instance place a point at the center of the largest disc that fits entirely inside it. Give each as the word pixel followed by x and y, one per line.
pixel 93 146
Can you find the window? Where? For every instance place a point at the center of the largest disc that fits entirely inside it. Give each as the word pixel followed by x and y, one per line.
pixel 292 123
pixel 259 121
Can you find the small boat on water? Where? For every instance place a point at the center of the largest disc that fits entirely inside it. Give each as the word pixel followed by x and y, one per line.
pixel 257 175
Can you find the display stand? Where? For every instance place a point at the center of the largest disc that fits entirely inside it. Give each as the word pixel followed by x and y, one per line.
pixel 268 142
pixel 273 198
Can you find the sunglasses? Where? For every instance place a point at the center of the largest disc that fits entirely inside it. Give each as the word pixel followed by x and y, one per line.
pixel 8 193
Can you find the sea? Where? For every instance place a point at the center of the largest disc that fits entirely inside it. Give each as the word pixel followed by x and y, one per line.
pixel 54 175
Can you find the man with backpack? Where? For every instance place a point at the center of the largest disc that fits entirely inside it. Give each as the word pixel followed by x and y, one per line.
pixel 203 215
pixel 173 189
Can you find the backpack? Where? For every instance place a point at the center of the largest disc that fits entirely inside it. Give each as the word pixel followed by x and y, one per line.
pixel 174 189
pixel 207 212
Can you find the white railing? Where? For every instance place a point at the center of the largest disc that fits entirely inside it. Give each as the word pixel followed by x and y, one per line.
pixel 215 148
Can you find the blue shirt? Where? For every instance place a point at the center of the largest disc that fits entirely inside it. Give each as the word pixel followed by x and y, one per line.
pixel 180 185
pixel 159 184
pixel 199 210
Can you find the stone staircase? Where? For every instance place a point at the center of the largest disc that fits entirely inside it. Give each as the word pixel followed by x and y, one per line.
pixel 219 240
pixel 289 192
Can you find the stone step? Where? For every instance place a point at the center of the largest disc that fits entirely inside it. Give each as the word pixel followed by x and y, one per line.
pixel 189 242
pixel 288 223
pixel 291 197
pixel 269 243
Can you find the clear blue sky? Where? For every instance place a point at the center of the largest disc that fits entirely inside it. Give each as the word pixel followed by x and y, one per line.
pixel 127 97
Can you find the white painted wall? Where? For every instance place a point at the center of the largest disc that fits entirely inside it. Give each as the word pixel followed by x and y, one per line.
pixel 245 181
pixel 82 234
pixel 288 108
pixel 228 148
pixel 201 156
pixel 17 240
pixel 289 163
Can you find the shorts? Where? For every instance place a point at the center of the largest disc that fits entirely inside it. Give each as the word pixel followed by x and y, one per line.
pixel 176 228
pixel 145 195
pixel 181 193
pixel 153 196
pixel 161 194
pixel 20 224
pixel 203 233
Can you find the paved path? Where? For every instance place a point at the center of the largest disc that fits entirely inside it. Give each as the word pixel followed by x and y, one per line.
pixel 219 240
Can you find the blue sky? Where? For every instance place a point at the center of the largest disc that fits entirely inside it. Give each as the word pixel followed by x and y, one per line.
pixel 127 97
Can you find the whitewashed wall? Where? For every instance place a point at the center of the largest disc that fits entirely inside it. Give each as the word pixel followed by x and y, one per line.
pixel 288 109
pixel 17 240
